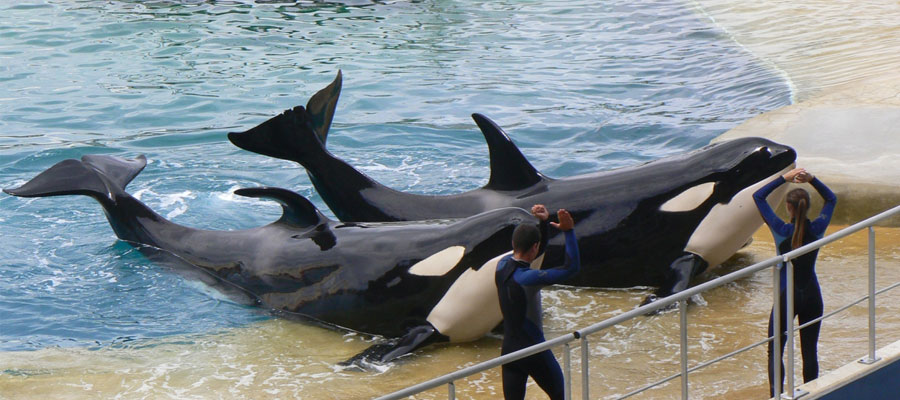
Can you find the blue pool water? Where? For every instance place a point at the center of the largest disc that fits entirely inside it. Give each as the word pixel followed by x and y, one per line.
pixel 580 86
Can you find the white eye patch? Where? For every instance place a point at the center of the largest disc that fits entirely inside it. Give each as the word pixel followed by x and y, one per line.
pixel 689 199
pixel 439 263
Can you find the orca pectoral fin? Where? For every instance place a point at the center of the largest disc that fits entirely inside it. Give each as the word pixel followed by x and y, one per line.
pixel 414 339
pixel 510 170
pixel 678 277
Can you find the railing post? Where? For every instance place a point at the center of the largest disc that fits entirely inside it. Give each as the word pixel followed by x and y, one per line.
pixel 789 326
pixel 451 391
pixel 682 310
pixel 793 393
pixel 585 373
pixel 567 371
pixel 776 330
pixel 871 358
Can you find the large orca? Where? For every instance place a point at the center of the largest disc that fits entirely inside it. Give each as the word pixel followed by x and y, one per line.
pixel 419 282
pixel 655 224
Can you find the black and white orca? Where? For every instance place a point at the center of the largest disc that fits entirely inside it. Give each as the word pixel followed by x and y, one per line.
pixel 417 282
pixel 655 224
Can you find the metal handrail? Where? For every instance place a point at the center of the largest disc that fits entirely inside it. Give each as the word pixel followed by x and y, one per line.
pixel 682 297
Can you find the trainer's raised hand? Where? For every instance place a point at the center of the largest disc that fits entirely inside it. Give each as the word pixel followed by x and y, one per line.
pixel 566 223
pixel 539 211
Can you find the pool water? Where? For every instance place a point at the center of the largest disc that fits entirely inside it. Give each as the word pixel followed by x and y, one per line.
pixel 581 86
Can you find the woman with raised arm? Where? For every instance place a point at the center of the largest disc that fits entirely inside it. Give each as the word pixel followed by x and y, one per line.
pixel 788 236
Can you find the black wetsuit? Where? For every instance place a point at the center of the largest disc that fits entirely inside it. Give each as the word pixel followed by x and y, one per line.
pixel 807 294
pixel 519 288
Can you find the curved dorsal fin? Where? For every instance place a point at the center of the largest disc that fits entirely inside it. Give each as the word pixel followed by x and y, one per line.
pixel 321 107
pixel 297 209
pixel 510 170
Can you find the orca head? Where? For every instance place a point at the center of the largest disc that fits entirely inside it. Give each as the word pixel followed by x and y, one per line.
pixel 743 162
pixel 724 169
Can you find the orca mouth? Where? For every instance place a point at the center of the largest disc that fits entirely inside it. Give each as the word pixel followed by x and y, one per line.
pixel 781 156
pixel 765 161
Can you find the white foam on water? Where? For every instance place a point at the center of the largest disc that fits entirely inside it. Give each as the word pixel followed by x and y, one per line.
pixel 176 200
pixel 229 196
pixel 209 291
pixel 139 194
pixel 708 341
pixel 699 300
pixel 179 199
pixel 247 379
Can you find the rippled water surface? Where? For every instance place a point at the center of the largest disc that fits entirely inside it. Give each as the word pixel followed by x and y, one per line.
pixel 579 85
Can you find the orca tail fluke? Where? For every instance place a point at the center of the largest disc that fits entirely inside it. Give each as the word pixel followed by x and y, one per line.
pixel 99 176
pixel 288 136
pixel 414 339
pixel 296 133
pixel 321 107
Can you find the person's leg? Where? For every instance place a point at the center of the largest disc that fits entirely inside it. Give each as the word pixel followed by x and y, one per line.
pixel 810 308
pixel 772 345
pixel 545 370
pixel 514 379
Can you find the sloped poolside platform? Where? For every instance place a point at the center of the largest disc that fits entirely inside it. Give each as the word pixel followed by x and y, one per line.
pixel 859 380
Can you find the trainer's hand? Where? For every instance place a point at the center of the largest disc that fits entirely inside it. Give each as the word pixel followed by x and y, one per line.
pixel 538 210
pixel 804 177
pixel 797 175
pixel 566 223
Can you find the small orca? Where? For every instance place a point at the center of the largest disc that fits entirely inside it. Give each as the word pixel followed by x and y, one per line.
pixel 655 224
pixel 416 282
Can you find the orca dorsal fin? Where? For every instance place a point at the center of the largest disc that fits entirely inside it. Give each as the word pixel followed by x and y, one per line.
pixel 510 170
pixel 321 107
pixel 298 210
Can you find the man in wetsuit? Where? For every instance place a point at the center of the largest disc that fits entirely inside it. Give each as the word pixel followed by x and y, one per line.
pixel 519 287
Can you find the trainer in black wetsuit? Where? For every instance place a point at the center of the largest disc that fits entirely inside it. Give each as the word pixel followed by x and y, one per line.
pixel 519 288
pixel 807 294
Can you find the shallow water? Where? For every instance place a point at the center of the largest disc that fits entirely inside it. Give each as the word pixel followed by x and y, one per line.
pixel 281 359
pixel 580 86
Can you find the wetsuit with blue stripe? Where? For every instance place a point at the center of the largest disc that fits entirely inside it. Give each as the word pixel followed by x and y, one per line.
pixel 519 289
pixel 807 294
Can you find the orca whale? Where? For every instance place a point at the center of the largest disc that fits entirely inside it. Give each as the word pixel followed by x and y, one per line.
pixel 637 226
pixel 416 282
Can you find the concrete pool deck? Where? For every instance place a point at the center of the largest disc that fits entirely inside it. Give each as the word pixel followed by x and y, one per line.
pixel 841 63
pixel 849 137
pixel 858 380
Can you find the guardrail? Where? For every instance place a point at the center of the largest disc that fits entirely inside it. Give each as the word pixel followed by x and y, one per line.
pixel 681 298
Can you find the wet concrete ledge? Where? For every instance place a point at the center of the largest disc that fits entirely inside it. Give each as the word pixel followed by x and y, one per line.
pixel 857 380
pixel 849 137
